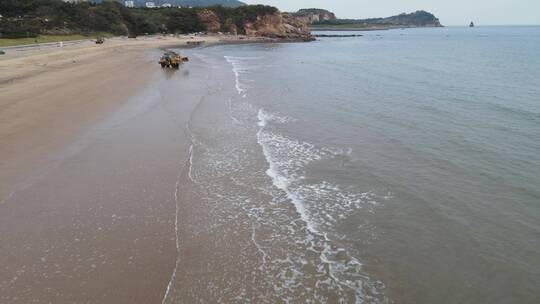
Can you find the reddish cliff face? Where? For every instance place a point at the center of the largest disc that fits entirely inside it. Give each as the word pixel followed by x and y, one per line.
pixel 278 25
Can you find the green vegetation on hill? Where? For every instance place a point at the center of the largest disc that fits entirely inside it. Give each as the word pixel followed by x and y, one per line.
pixel 306 11
pixel 30 18
pixel 416 19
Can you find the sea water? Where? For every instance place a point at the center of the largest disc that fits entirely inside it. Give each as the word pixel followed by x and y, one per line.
pixel 398 167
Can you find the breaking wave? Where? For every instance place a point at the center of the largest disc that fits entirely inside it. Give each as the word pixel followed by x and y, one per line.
pixel 240 68
pixel 319 205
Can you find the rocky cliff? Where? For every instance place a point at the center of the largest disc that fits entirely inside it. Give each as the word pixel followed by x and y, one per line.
pixel 278 25
pixel 271 25
pixel 314 15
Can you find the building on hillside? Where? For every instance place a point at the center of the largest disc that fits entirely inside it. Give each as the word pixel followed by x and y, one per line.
pixel 166 5
pixel 150 5
pixel 129 3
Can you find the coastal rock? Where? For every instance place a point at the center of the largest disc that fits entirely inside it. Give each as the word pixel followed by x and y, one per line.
pixel 295 27
pixel 266 26
pixel 337 35
pixel 314 15
pixel 279 25
pixel 210 20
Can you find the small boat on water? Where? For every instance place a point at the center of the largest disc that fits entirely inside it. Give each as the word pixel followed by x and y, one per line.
pixel 472 24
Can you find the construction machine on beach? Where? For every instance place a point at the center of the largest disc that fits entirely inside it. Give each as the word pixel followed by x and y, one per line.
pixel 171 59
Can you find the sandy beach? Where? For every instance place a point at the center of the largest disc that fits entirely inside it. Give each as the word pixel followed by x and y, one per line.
pixel 92 142
pixel 50 93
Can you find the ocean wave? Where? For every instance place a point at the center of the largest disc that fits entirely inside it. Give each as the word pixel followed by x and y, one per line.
pixel 319 205
pixel 239 67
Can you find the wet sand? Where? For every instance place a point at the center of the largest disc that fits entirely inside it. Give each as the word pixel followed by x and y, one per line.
pixel 92 141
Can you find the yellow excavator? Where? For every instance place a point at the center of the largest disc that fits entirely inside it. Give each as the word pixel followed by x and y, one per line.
pixel 171 59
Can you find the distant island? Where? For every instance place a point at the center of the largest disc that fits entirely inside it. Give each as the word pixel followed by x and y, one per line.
pixel 415 19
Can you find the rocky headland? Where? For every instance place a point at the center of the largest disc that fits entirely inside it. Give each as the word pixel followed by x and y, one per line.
pixel 411 20
pixel 314 15
pixel 275 24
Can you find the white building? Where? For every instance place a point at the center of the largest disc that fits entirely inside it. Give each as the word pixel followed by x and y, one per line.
pixel 166 5
pixel 129 3
pixel 150 5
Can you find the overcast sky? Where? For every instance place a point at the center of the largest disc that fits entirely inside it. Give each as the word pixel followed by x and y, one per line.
pixel 450 12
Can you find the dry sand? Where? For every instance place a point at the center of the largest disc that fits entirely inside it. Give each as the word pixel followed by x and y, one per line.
pixel 86 200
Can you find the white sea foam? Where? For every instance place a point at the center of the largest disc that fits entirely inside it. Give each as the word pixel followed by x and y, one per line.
pixel 264 117
pixel 319 205
pixel 240 67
